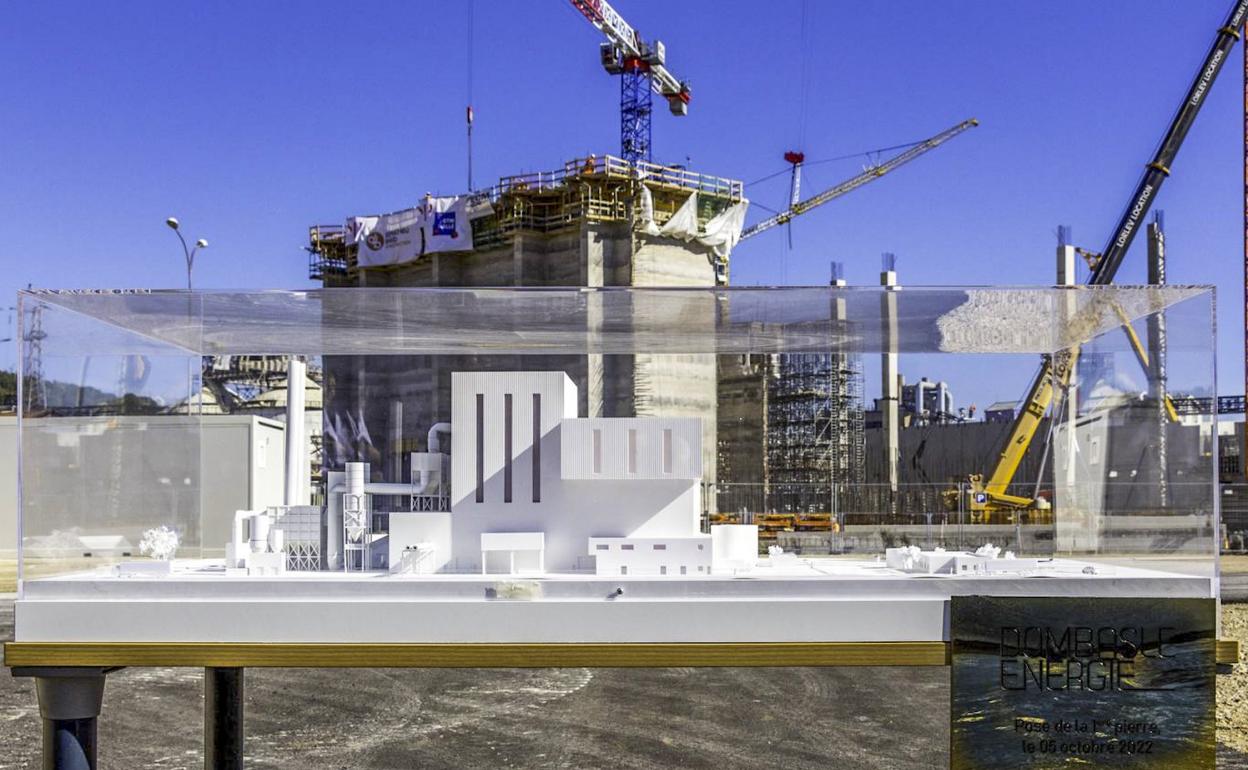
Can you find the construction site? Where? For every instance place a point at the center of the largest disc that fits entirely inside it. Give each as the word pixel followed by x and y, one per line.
pixel 861 432
pixel 604 221
pixel 831 458
pixel 626 221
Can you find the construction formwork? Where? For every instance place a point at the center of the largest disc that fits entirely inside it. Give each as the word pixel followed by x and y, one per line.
pixel 601 195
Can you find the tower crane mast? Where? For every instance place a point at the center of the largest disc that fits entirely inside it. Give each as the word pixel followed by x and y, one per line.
pixel 643 72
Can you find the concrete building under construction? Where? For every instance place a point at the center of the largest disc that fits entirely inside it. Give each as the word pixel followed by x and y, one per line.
pixel 587 224
pixel 597 222
pixel 782 432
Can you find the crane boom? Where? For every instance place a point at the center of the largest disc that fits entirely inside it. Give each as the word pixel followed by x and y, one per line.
pixel 1056 370
pixel 1158 169
pixel 871 174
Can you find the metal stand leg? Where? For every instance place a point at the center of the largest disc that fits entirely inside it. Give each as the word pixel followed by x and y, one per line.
pixel 69 702
pixel 69 744
pixel 223 719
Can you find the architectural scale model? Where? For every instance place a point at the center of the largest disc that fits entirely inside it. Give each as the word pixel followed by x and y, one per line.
pixel 529 488
pixel 557 465
pixel 986 560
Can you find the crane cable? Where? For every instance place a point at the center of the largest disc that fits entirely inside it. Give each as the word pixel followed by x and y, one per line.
pixel 468 116
pixel 806 40
pixel 863 154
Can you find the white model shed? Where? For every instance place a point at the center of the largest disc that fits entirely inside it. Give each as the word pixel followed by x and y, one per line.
pixel 651 555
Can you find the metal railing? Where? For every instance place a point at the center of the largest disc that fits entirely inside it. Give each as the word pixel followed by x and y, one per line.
pixel 611 167
pixel 590 189
pixel 327 251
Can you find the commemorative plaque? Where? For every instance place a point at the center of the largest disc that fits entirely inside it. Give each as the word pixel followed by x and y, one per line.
pixel 1054 682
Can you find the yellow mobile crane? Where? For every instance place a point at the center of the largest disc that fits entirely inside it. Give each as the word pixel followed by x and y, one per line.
pixel 989 499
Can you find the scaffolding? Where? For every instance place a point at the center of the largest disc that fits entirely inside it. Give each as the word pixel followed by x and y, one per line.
pixel 791 434
pixel 327 252
pixel 816 443
pixel 597 188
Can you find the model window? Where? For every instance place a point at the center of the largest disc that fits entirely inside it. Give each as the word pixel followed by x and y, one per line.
pixel 480 447
pixel 626 547
pixel 700 546
pixel 632 450
pixel 662 569
pixel 597 450
pixel 603 547
pixel 507 448
pixel 623 569
pixel 660 546
pixel 537 447
pixel 682 569
pixel 667 450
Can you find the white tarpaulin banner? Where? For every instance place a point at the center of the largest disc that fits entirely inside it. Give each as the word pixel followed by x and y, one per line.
pixel 389 239
pixel 446 224
pixel 437 224
pixel 684 223
pixel 646 212
pixel 724 229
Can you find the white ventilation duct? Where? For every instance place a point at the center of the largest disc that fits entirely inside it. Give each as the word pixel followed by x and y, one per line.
pixel 434 444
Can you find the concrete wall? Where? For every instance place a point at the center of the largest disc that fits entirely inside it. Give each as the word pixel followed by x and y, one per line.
pixel 121 475
pixel 1109 485
pixel 935 454
pixel 743 395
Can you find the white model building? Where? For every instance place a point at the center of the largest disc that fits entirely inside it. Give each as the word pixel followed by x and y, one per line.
pixel 533 488
pixel 986 560
pixel 279 538
pixel 651 556
pixel 415 535
pixel 522 461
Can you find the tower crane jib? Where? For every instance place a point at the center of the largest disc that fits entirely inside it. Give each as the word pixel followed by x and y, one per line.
pixel 849 185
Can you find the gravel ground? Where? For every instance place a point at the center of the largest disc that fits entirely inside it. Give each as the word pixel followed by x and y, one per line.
pixel 639 719
pixel 1233 687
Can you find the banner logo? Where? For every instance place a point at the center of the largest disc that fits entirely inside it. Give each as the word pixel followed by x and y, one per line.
pixel 375 241
pixel 444 224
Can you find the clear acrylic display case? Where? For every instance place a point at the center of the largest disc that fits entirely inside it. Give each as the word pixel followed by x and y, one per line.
pixel 610 464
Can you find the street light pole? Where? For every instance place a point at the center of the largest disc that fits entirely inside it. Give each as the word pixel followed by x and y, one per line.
pixel 188 252
pixel 193 383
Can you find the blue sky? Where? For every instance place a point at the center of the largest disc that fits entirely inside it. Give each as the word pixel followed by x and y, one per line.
pixel 250 121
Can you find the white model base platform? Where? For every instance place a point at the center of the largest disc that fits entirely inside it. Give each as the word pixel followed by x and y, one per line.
pixel 806 600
